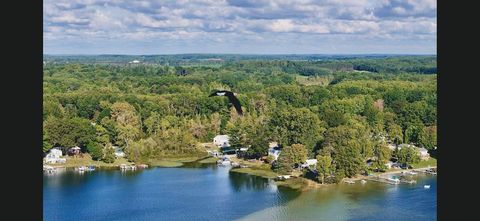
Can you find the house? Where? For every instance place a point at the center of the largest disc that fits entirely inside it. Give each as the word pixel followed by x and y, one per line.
pixel 424 155
pixel 391 164
pixel 274 150
pixel 54 156
pixel 392 147
pixel 221 141
pixel 74 151
pixel 118 152
pixel 309 163
pixel 134 62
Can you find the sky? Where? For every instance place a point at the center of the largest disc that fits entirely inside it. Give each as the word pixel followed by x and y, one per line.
pixel 240 26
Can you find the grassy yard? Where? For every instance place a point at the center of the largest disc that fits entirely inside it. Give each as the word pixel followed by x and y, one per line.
pixel 164 163
pixel 294 183
pixel 209 160
pixel 430 162
pixel 256 172
pixel 86 160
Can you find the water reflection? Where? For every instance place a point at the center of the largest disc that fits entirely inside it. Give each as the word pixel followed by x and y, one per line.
pixel 240 181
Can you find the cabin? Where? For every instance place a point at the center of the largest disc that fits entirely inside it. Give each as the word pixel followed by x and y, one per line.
pixel 221 141
pixel 274 150
pixel 424 155
pixel 392 147
pixel 54 156
pixel 118 152
pixel 74 151
pixel 309 163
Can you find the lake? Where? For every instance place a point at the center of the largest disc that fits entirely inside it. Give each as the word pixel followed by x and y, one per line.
pixel 208 192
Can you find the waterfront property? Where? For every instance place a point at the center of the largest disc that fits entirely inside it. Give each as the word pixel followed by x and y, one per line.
pixel 118 152
pixel 274 150
pixel 221 141
pixel 309 163
pixel 74 151
pixel 54 156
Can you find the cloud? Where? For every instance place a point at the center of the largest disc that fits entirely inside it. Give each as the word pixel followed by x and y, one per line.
pixel 237 21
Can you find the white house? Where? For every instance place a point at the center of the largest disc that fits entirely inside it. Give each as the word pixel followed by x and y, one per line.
pixel 392 147
pixel 309 162
pixel 221 141
pixel 54 156
pixel 424 155
pixel 273 150
pixel 118 152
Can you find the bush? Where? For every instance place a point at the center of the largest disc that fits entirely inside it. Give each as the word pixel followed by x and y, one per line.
pixel 95 150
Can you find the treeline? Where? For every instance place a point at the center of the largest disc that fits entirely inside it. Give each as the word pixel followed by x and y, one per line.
pixel 157 111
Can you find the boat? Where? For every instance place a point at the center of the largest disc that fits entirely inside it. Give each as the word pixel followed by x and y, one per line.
pixel 349 181
pixel 363 181
pixel 49 169
pixel 426 186
pixel 81 169
pixel 412 173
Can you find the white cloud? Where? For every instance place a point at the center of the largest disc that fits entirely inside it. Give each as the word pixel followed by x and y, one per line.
pixel 242 20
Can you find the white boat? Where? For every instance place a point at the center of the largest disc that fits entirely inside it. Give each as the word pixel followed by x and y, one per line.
pixel 426 186
pixel 412 173
pixel 363 181
pixel 349 181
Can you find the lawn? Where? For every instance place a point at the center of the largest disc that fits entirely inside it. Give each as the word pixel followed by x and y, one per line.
pixel 426 163
pixel 86 160
pixel 266 173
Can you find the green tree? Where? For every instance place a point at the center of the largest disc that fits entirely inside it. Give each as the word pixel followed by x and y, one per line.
pixel 408 155
pixel 108 154
pixel 324 167
pixel 95 150
pixel 395 133
pixel 382 155
pixel 428 137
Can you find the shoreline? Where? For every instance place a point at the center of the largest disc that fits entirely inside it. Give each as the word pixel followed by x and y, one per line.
pixel 255 168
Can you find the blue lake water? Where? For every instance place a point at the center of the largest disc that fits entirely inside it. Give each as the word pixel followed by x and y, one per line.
pixel 209 192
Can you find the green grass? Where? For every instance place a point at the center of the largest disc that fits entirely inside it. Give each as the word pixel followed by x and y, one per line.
pixel 256 172
pixel 209 160
pixel 86 160
pixel 294 183
pixel 164 163
pixel 430 162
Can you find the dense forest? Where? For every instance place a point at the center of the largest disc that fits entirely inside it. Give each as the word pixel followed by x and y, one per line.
pixel 339 110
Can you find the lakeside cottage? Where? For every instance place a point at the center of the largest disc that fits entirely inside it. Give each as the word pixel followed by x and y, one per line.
pixel 424 155
pixel 221 141
pixel 273 150
pixel 74 151
pixel 118 152
pixel 309 163
pixel 54 156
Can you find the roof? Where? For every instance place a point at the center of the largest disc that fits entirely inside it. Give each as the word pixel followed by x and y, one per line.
pixel 75 148
pixel 222 137
pixel 311 161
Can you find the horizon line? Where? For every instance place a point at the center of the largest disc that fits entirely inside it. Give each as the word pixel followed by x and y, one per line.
pixel 271 54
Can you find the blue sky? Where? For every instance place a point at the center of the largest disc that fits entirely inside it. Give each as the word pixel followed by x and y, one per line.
pixel 240 26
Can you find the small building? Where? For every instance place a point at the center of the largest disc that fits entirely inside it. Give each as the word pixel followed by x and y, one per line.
pixel 274 150
pixel 221 141
pixel 54 156
pixel 392 147
pixel 134 62
pixel 309 163
pixel 74 151
pixel 424 155
pixel 118 152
